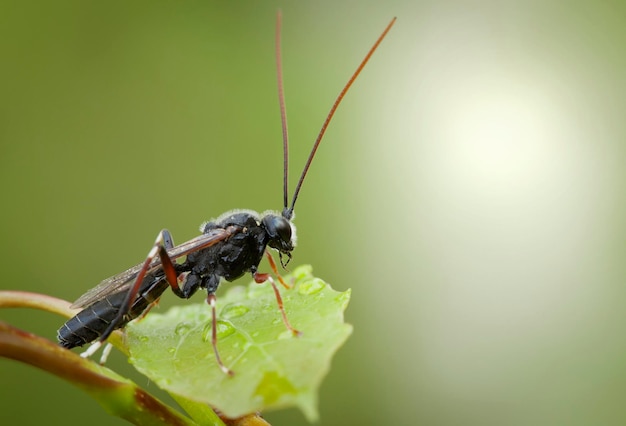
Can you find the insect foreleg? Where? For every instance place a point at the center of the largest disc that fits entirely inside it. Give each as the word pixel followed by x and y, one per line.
pixel 272 263
pixel 260 278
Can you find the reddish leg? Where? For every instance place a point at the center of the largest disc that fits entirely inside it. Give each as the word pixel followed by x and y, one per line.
pixel 260 278
pixel 270 259
pixel 163 242
pixel 148 309
pixel 211 300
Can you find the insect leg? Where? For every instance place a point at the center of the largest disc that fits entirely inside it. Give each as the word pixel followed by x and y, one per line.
pixel 211 300
pixel 260 278
pixel 105 353
pixel 272 263
pixel 148 309
pixel 162 243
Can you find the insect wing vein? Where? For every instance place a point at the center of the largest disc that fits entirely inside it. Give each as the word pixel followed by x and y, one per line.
pixel 122 281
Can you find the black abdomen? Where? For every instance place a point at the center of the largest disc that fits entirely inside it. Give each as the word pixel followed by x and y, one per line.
pixel 90 323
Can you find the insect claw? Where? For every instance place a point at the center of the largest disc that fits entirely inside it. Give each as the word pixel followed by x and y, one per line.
pixel 227 370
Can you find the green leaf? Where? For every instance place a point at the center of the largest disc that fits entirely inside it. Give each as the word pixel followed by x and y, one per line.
pixel 273 369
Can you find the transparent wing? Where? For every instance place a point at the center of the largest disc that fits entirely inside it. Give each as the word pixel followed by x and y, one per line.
pixel 123 280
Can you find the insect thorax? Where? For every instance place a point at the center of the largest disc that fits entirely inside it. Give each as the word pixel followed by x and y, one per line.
pixel 243 251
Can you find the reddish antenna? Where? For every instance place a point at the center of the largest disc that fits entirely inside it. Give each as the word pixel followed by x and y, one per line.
pixel 288 212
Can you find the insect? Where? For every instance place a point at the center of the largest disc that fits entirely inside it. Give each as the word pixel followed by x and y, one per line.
pixel 229 246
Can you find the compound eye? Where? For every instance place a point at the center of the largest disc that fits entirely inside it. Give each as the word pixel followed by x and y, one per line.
pixel 283 229
pixel 278 229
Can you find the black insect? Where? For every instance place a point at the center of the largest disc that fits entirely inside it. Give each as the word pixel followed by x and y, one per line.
pixel 229 246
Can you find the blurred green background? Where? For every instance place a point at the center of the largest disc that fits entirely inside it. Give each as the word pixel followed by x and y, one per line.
pixel 471 189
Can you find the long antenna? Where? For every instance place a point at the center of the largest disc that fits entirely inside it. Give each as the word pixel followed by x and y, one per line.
pixel 287 213
pixel 283 110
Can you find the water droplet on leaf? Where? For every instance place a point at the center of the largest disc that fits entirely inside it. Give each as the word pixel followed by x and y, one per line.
pixel 311 286
pixel 302 272
pixel 234 311
pixel 182 328
pixel 287 334
pixel 224 329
